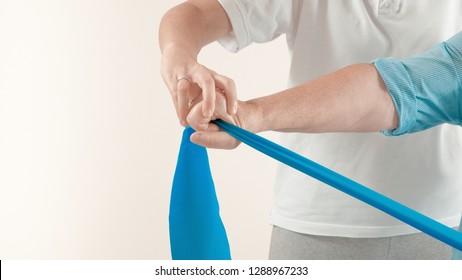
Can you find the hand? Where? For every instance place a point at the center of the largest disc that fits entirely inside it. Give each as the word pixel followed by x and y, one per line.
pixel 188 80
pixel 209 135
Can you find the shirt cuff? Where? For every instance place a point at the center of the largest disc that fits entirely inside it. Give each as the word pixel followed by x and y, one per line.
pixel 239 38
pixel 399 86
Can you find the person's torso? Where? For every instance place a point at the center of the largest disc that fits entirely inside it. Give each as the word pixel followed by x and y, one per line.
pixel 420 170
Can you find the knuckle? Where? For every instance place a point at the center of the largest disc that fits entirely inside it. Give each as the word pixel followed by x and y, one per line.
pixel 208 80
pixel 228 83
pixel 190 119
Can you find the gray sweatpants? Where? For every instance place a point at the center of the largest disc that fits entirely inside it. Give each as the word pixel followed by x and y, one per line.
pixel 289 245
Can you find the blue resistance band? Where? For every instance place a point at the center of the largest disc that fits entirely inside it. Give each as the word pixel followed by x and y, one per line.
pixel 196 229
pixel 348 186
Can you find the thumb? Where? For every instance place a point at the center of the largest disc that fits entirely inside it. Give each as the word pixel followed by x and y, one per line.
pixel 196 119
pixel 214 139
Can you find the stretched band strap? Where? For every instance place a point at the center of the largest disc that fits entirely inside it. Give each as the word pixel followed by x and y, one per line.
pixel 348 186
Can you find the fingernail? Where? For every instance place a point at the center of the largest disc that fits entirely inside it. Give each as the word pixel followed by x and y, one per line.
pixel 234 108
pixel 184 123
pixel 195 137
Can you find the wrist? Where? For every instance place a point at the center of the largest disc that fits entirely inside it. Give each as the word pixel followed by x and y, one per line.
pixel 178 49
pixel 250 116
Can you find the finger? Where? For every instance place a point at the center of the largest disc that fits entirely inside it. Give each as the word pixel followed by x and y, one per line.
pixel 195 118
pixel 214 139
pixel 175 102
pixel 228 88
pixel 195 92
pixel 182 93
pixel 205 80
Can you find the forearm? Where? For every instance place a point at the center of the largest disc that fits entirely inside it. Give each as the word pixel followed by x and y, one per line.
pixel 184 30
pixel 191 25
pixel 352 99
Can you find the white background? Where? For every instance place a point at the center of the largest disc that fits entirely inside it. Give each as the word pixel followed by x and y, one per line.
pixel 89 137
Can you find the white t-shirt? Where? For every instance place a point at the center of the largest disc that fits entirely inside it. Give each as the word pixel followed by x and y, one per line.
pixel 422 171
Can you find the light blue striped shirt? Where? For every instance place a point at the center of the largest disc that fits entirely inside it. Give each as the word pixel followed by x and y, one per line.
pixel 426 89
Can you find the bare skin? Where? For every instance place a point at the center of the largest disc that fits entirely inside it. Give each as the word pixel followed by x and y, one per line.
pixel 351 99
pixel 184 30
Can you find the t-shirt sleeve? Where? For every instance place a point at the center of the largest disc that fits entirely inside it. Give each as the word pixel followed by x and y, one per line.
pixel 426 89
pixel 257 21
